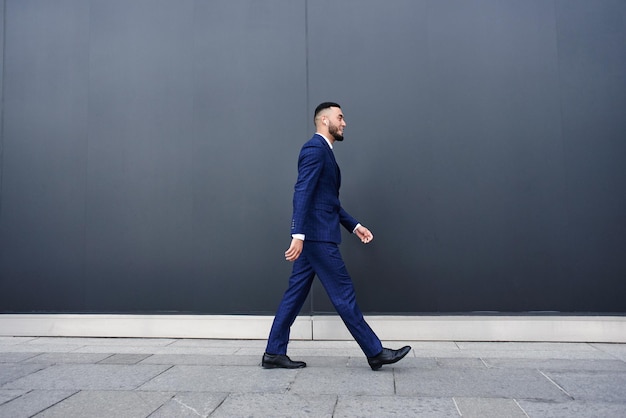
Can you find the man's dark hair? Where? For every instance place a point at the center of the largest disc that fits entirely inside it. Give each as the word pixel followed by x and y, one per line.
pixel 323 106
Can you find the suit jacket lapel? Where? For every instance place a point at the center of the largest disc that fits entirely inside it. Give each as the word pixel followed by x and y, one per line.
pixel 332 157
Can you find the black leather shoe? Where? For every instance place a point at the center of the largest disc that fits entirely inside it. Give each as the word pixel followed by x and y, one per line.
pixel 388 356
pixel 280 361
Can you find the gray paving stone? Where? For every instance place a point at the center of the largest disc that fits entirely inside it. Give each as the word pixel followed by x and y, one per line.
pixel 461 363
pixel 514 354
pixel 16 357
pixel 124 358
pixel 10 372
pixel 616 350
pixel 88 377
pixel 573 409
pixel 203 359
pixel 213 351
pixel 439 346
pixel 352 345
pixel 477 383
pixel 489 408
pixel 190 405
pixel 326 361
pixel 310 352
pixel 33 402
pixel 38 348
pixel 209 343
pixel 222 379
pixel 530 355
pixel 276 405
pixel 15 340
pixel 65 358
pixel 117 349
pixel 172 350
pixel 344 381
pixel 325 344
pixel 105 404
pixel 572 351
pixel 420 363
pixel 59 341
pixel 557 364
pixel 394 406
pixel 81 341
pixel 524 346
pixel 8 394
pixel 592 386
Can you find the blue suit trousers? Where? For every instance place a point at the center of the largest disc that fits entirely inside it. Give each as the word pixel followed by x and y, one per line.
pixel 324 260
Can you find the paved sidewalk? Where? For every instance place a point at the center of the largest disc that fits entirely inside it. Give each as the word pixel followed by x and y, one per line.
pixel 122 377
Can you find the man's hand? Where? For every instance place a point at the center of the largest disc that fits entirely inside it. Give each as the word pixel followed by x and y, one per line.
pixel 364 234
pixel 294 250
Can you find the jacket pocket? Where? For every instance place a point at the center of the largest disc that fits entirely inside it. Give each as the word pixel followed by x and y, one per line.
pixel 325 207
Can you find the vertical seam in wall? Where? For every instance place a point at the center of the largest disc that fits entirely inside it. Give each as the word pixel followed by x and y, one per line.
pixel 307 104
pixel 86 162
pixel 306 55
pixel 195 64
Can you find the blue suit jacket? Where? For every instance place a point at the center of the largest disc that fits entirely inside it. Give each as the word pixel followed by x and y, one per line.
pixel 317 212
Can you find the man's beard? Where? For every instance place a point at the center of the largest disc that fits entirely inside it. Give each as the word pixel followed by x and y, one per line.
pixel 334 131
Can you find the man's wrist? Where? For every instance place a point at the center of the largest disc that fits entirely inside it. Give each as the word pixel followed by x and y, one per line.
pixel 298 236
pixel 356 227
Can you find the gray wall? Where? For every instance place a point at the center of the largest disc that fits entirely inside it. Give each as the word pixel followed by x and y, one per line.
pixel 149 152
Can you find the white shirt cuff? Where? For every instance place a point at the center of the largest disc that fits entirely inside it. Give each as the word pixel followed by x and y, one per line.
pixel 301 236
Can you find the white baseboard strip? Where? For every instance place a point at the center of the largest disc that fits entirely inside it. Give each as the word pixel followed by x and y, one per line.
pixel 147 326
pixel 609 329
pixel 483 328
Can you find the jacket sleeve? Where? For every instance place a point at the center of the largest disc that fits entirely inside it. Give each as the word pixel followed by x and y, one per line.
pixel 309 169
pixel 347 221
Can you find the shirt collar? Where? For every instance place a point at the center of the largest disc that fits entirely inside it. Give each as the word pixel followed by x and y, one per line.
pixel 325 139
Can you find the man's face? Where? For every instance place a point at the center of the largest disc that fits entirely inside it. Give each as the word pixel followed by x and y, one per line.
pixel 336 123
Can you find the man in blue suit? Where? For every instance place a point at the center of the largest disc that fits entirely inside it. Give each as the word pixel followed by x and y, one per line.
pixel 314 249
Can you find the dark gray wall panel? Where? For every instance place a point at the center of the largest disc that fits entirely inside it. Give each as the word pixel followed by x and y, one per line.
pixel 43 170
pixel 190 107
pixel 592 62
pixel 462 120
pixel 496 222
pixel 139 203
pixel 250 120
pixel 373 61
pixel 149 152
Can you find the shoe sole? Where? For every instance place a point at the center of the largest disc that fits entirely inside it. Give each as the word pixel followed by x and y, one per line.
pixel 273 366
pixel 378 366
